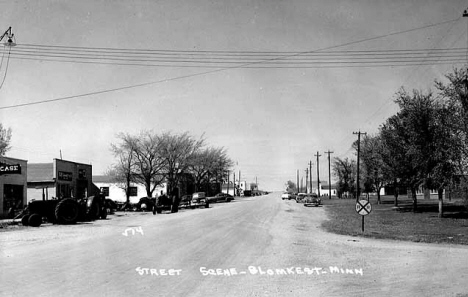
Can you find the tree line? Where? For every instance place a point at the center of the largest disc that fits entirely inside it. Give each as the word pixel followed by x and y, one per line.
pixel 152 159
pixel 423 145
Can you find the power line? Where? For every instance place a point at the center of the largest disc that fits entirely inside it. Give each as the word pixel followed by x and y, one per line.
pixel 385 64
pixel 223 69
pixel 388 56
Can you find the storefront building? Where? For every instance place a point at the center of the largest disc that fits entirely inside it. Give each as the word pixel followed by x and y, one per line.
pixel 59 179
pixel 13 187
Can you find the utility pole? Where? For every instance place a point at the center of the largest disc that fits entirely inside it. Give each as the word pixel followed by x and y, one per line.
pixel 318 174
pixel 310 169
pixel 307 178
pixel 329 174
pixel 10 36
pixel 358 190
pixel 297 179
pixel 240 183
pixel 227 182
pixel 234 175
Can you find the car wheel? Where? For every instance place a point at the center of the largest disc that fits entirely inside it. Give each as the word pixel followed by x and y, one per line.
pixel 24 220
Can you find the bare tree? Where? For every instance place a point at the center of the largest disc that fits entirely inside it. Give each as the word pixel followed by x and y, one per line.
pixel 122 171
pixel 150 163
pixel 206 163
pixel 178 152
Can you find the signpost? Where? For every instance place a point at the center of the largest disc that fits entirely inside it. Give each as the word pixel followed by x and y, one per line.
pixel 363 207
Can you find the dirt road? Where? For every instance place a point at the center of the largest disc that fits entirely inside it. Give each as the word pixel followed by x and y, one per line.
pixel 259 246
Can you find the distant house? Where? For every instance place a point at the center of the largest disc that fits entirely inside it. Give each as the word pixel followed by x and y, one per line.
pixel 114 190
pixel 325 190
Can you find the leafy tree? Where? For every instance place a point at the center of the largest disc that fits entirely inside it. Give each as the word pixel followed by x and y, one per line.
pixel 455 94
pixel 5 138
pixel 345 171
pixel 371 151
pixel 406 136
pixel 420 144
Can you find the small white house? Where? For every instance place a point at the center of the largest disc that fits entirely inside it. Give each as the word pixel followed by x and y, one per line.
pixel 115 191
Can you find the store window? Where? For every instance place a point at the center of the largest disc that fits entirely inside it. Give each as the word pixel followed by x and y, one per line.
pixel 81 173
pixel 12 197
pixel 65 191
pixel 133 191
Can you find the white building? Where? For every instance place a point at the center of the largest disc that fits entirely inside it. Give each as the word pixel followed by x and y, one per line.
pixel 115 191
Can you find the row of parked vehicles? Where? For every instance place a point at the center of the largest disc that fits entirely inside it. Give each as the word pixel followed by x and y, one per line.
pixel 306 198
pixel 198 199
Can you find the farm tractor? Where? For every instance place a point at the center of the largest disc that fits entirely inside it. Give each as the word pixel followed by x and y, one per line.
pixel 64 211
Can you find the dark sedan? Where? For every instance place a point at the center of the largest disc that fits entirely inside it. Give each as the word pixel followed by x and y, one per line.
pixel 221 197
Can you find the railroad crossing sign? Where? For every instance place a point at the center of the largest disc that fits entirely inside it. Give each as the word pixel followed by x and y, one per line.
pixel 363 207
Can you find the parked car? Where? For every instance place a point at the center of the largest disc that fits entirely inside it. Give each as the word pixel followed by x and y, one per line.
pixel 286 195
pixel 312 199
pixel 185 201
pixel 300 197
pixel 199 199
pixel 221 197
pixel 146 204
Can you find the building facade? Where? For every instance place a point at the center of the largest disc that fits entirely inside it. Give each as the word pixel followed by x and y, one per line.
pixel 13 184
pixel 59 179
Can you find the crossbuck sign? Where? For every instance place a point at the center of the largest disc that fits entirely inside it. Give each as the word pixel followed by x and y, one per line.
pixel 363 207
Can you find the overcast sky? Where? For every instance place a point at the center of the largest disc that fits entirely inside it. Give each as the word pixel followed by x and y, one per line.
pixel 271 120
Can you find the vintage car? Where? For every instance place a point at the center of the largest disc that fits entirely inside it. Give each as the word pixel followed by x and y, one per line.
pixel 312 199
pixel 199 199
pixel 300 197
pixel 185 201
pixel 287 195
pixel 221 197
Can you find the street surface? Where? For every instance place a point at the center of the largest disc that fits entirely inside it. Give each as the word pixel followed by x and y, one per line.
pixel 253 246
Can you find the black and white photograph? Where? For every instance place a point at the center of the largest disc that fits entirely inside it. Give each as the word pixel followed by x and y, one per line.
pixel 233 148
